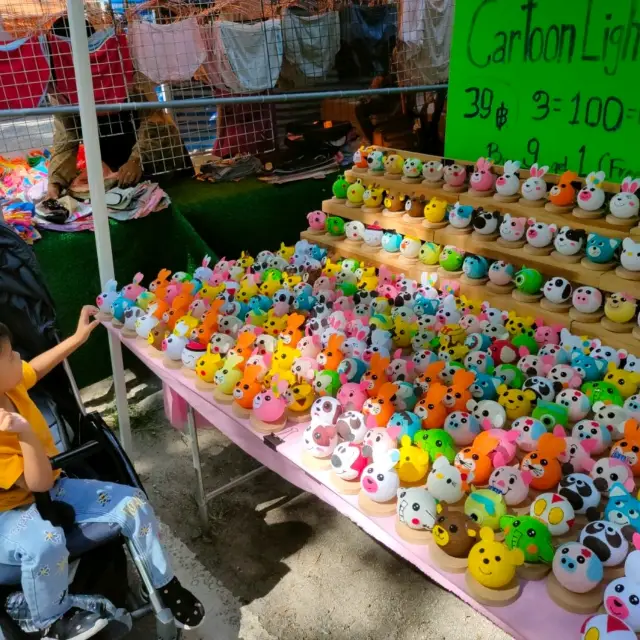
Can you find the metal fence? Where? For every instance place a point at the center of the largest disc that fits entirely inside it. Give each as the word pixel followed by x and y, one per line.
pixel 174 78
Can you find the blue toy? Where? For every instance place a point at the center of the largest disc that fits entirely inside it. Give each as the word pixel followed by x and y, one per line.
pixel 353 368
pixel 478 342
pixel 408 422
pixel 406 393
pixel 475 267
pixel 391 241
pixel 424 306
pixel 304 301
pixel 601 249
pixel 460 215
pixel 119 306
pixel 318 253
pixel 622 508
pixel 591 369
pixel 485 387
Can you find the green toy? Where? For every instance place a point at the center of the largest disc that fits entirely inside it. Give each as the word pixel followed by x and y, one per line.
pixel 512 376
pixel 350 264
pixel 485 507
pixel 340 187
pixel 436 442
pixel 528 281
pixel 551 414
pixel 327 382
pixel 335 226
pixel 271 274
pixel 451 259
pixel 601 391
pixel 348 289
pixel 530 535
pixel 526 340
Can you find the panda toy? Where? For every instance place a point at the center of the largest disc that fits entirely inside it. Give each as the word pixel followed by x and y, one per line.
pixel 544 388
pixel 581 492
pixel 607 540
pixel 557 292
pixel 569 243
pixel 486 223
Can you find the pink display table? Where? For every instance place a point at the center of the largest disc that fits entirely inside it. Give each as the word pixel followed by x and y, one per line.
pixel 532 616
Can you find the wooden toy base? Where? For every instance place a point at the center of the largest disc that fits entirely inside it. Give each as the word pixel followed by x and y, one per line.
pixel 267 427
pixel 408 180
pixel 449 275
pixel 376 509
pixel 433 184
pixel 626 274
pixel 481 194
pixel 317 464
pixel 533 204
pixel 353 243
pixel 330 236
pixel 587 215
pixel 525 297
pixel 492 597
pixel 224 398
pixel 529 571
pixel 367 248
pixel 360 169
pixel 622 222
pixel 560 307
pixel 410 262
pixel 636 333
pixel 511 244
pixel 104 317
pixel 392 176
pixel 201 385
pixel 503 289
pixel 455 231
pixel 560 257
pixel 446 562
pixel 485 237
pixel 523 508
pixel 338 200
pixel 154 353
pixel 392 214
pixel 498 197
pixel 414 536
pixel 617 327
pixel 409 219
pixel 353 205
pixel 554 208
pixel 316 232
pixel 613 573
pixel 376 174
pixel 579 316
pixel 239 411
pixel 597 266
pixel 298 416
pixel 371 209
pixel 538 251
pixel 451 189
pixel 344 487
pixel 171 364
pixel 129 333
pixel 473 282
pixel 581 603
pixel 116 323
pixel 435 225
pixel 188 373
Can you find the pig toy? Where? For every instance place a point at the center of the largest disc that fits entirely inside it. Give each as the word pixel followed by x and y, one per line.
pixel 380 482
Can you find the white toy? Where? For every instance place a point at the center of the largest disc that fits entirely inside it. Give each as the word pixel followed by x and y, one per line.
pixel 539 234
pixel 320 440
pixel 570 242
pixel 444 481
pixel 380 482
pixel 354 230
pixel 325 411
pixel 173 345
pixel 147 322
pixel 625 205
pixel 577 403
pixel 131 317
pixel 557 290
pixel 508 184
pixel 534 189
pixel 352 427
pixel 580 490
pixel 432 171
pixel 513 229
pixel 605 627
pixel 592 430
pixel 587 299
pixel 204 272
pixel 621 597
pixel 632 405
pixel 607 471
pixel 555 511
pixel 630 255
pixel 416 508
pixel 607 541
pixel 591 197
pixel 612 417
pixel 488 410
pixel 512 483
pixel 347 461
pixel 380 440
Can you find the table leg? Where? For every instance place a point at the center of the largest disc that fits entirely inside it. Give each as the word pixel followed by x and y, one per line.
pixel 235 483
pixel 201 499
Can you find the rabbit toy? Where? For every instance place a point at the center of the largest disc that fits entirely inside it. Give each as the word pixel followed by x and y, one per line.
pixel 508 184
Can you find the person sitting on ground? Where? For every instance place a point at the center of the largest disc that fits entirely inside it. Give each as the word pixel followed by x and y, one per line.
pixel 36 545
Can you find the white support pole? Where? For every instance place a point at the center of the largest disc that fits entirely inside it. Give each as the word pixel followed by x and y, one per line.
pixel 89 122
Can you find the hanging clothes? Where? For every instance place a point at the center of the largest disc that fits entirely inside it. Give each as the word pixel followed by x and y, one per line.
pixel 111 67
pixel 24 73
pixel 167 52
pixel 311 42
pixel 217 66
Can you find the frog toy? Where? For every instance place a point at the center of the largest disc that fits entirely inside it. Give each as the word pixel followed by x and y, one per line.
pixel 529 535
pixel 412 170
pixel 430 253
pixel 528 281
pixel 492 563
pixel 451 259
pixel 601 391
pixel 355 193
pixel 335 226
pixel 436 442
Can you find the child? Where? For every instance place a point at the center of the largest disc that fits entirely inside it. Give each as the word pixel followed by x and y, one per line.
pixel 36 545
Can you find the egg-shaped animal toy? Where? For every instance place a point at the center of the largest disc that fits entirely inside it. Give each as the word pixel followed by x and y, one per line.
pixel 577 568
pixel 430 253
pixel 455 175
pixel 462 426
pixel 587 299
pixel 577 403
pixel 355 193
pixel 591 197
pixel 528 281
pixel 435 210
pixel 492 563
pixel 485 507
pixel 606 540
pixel 475 267
pixel 620 308
pixel 625 205
pixel 340 187
pixel 372 197
pixel 393 164
pixel 501 273
pixel 412 168
pixel 605 627
pixel 416 508
pixel 347 461
pixel 410 248
pixel 444 481
pixel 557 290
pixel 335 226
pixel 512 483
pixel 540 234
pixel 601 249
pixel 391 241
pixel 555 511
pixel 630 255
pixel 580 490
pixel 454 532
pixel 372 235
pixel 460 216
pixel 432 171
pixel 451 259
pixel 375 161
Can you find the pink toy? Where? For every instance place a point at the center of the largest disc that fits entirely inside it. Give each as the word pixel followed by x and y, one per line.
pixel 320 440
pixel 455 175
pixel 133 290
pixel 567 376
pixel 512 483
pixel 199 307
pixel 532 365
pixel 605 468
pixel 482 178
pixel 577 453
pixel 380 440
pixel 401 370
pixel 587 299
pixel 470 323
pixel 547 334
pixel 270 405
pixel 325 283
pixel 317 220
pixel 347 461
pixel 344 303
pixel 351 395
pixel 512 229
pixel 305 368
pixel 505 450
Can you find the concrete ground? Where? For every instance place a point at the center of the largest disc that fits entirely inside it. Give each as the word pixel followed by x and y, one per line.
pixel 277 563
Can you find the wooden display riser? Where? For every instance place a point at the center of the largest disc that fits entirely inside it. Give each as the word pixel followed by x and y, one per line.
pixel 576 273
pixel 502 301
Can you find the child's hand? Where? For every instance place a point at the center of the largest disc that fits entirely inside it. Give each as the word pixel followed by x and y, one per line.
pixel 11 422
pixel 85 324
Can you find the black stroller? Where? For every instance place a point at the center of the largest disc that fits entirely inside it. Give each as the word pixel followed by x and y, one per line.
pixel 90 450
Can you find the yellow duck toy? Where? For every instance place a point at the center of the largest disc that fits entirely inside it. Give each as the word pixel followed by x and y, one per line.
pixel 403 332
pixel 414 462
pixel 367 278
pixel 393 164
pixel 373 197
pixel 435 210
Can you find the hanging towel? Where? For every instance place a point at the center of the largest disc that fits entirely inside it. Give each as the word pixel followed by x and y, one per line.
pixel 311 42
pixel 217 66
pixel 24 73
pixel 167 52
pixel 111 67
pixel 254 51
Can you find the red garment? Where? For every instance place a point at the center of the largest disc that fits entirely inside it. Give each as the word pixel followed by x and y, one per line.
pixel 244 128
pixel 24 73
pixel 111 68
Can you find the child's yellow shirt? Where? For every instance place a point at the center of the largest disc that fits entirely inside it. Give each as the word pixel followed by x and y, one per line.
pixel 11 462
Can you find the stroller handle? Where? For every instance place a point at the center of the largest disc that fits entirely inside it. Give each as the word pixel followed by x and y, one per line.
pixel 83 451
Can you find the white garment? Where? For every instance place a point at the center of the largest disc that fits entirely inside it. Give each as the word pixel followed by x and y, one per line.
pixel 217 65
pixel 167 52
pixel 311 42
pixel 254 51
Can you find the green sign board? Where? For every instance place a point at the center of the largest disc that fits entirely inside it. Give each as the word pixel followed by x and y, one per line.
pixel 549 81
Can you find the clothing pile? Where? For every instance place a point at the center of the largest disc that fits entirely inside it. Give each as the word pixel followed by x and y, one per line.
pixel 230 170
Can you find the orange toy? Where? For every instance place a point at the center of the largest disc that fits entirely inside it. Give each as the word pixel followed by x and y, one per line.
pixel 360 159
pixel 243 347
pixel 376 376
pixel 248 387
pixel 474 462
pixel 160 284
pixel 458 393
pixel 331 357
pixel 209 324
pixel 293 334
pixel 563 194
pixel 431 374
pixel 629 446
pixel 430 409
pixel 179 305
pixel 378 410
pixel 161 308
pixel 543 464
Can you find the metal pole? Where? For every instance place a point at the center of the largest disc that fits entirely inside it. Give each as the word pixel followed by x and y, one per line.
pixel 89 121
pixel 201 500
